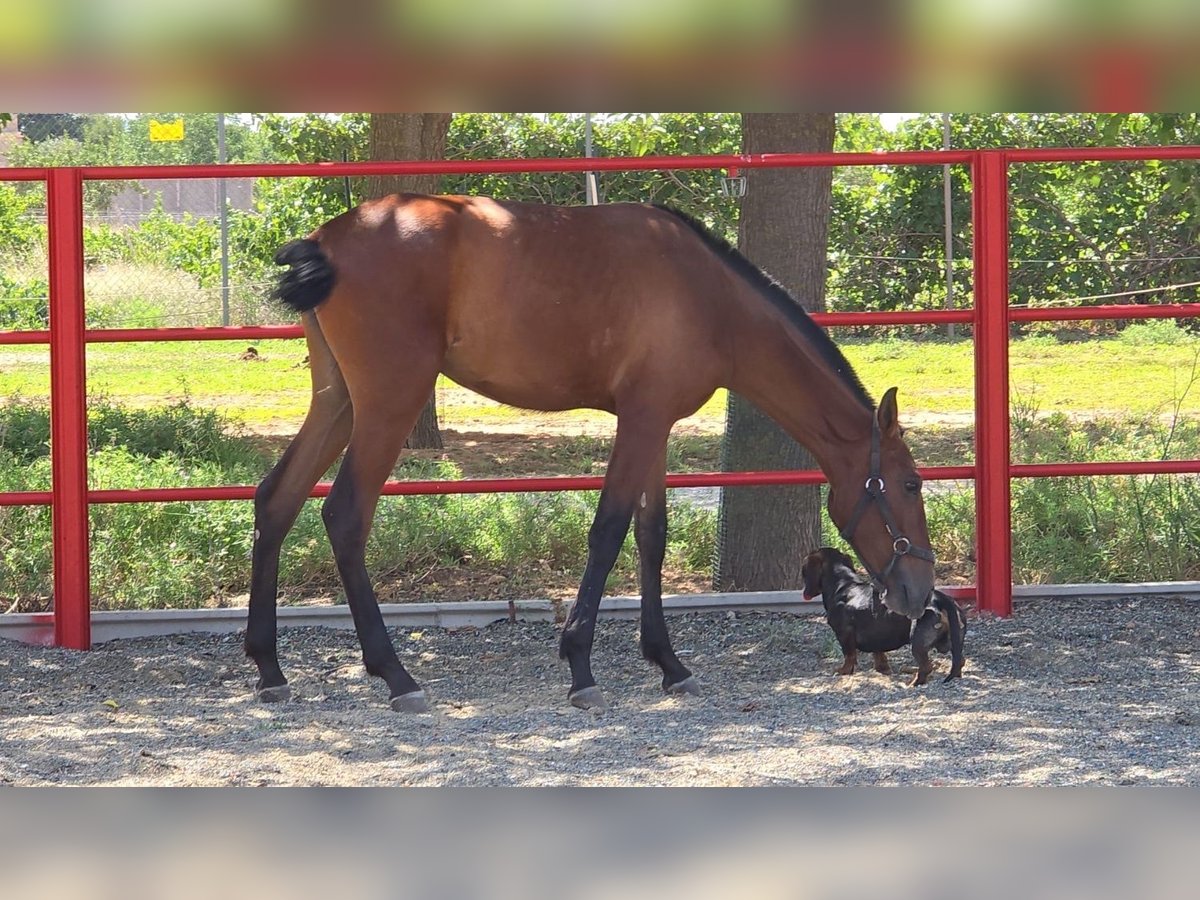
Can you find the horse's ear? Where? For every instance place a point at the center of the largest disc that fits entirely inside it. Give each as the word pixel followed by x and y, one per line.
pixel 889 420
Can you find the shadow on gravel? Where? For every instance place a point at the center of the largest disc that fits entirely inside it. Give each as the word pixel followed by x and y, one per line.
pixel 1062 693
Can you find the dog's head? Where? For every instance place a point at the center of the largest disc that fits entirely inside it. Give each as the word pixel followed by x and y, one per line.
pixel 819 563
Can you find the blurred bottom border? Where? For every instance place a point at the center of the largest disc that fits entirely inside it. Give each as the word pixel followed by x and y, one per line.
pixel 628 843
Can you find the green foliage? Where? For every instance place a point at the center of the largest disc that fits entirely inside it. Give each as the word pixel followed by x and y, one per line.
pixel 1078 231
pixel 19 232
pixel 24 305
pixel 181 430
pixel 506 136
pixel 1084 530
pixel 190 244
pixel 42 126
pixel 1156 333
pixel 187 554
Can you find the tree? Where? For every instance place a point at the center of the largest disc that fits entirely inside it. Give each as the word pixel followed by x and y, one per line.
pixel 396 136
pixel 41 126
pixel 765 532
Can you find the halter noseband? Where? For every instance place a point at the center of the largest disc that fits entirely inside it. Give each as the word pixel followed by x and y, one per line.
pixel 875 490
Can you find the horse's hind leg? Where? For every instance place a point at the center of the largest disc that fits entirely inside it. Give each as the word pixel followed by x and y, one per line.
pixel 637 446
pixel 650 530
pixel 380 428
pixel 278 500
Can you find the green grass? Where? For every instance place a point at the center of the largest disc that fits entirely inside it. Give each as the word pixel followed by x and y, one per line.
pixel 1109 375
pixel 1122 375
pixel 169 414
pixel 154 555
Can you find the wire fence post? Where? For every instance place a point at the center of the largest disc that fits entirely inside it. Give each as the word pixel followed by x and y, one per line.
pixel 223 218
pixel 948 215
pixel 993 492
pixel 68 411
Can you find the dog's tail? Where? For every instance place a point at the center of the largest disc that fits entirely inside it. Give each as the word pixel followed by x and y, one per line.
pixel 957 623
pixel 309 279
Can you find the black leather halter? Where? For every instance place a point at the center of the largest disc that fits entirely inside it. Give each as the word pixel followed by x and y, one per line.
pixel 875 490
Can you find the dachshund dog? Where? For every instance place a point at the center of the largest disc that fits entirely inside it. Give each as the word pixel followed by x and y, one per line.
pixel 860 621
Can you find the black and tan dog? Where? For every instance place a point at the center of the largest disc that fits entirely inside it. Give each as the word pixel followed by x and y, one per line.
pixel 858 617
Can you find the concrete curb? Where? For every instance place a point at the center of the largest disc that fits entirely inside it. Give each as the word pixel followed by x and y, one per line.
pixel 38 628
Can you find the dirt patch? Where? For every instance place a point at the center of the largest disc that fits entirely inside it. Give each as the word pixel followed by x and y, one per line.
pixel 1065 692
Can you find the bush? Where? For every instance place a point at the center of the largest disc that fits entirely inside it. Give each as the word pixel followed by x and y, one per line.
pixel 19 233
pixel 181 430
pixel 1155 333
pixel 1084 530
pixel 24 304
pixel 190 554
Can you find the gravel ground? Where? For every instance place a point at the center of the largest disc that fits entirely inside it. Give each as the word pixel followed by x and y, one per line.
pixel 1065 692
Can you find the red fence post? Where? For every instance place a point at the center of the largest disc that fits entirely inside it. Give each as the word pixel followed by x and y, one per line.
pixel 993 498
pixel 68 411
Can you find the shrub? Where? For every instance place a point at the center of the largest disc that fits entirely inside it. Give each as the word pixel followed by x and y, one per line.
pixel 1155 332
pixel 24 304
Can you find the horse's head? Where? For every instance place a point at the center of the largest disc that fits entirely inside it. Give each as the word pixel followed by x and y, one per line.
pixel 875 501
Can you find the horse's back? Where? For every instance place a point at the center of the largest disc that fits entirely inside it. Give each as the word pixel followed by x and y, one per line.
pixel 534 305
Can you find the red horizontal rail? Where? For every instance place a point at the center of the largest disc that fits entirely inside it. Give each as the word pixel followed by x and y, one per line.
pixel 1081 470
pixel 596 482
pixel 894 317
pixel 1100 154
pixel 24 337
pixel 503 485
pixel 210 333
pixel 26 498
pixel 827 319
pixel 1111 311
pixel 279 332
pixel 500 166
pixel 24 173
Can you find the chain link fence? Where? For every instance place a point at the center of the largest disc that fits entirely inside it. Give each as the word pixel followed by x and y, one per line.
pixel 170 252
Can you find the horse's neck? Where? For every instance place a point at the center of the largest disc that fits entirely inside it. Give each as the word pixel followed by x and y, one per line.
pixel 781 373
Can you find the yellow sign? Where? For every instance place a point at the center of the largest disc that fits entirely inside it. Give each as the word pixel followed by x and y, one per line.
pixel 166 131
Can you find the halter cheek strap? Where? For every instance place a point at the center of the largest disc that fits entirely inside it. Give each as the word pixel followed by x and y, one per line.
pixel 875 491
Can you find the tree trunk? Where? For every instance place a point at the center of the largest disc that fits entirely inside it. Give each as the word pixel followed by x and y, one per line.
pixel 765 532
pixel 402 136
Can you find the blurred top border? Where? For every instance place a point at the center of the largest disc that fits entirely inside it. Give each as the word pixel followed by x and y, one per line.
pixel 406 55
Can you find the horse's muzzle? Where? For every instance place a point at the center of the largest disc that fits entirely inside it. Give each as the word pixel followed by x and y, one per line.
pixel 908 592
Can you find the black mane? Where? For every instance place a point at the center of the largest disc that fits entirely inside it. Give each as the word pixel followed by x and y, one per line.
pixel 775 293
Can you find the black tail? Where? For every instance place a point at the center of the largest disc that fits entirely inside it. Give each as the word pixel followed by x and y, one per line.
pixel 310 279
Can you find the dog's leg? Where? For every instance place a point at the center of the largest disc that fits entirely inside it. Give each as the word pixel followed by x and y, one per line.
pixel 881 663
pixel 925 635
pixel 849 664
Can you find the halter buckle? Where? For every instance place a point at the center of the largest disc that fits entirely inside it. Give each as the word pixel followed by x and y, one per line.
pixel 881 489
pixel 901 545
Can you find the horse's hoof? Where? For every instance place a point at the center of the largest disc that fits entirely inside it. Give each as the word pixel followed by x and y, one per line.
pixel 689 685
pixel 589 698
pixel 412 702
pixel 275 694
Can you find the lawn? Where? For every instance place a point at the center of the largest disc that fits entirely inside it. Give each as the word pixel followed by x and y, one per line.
pixel 268 391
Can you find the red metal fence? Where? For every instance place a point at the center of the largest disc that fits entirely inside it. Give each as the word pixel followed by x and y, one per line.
pixel 991 316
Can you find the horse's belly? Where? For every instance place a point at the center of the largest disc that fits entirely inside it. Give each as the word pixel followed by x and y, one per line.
pixel 528 385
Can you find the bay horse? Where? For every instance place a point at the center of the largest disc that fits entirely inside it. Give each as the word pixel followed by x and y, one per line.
pixel 633 309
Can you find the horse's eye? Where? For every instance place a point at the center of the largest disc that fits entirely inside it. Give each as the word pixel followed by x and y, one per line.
pixel 913 485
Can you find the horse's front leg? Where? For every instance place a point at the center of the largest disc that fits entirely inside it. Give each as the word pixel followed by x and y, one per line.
pixel 650 530
pixel 638 443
